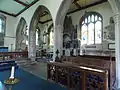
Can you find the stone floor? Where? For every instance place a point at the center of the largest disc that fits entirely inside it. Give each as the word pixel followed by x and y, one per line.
pixel 37 68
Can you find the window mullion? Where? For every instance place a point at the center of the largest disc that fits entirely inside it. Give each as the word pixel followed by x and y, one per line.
pixel 87 33
pixel 94 32
pixel 94 29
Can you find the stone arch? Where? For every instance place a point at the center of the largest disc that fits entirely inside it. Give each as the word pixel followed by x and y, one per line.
pixel 21 35
pixel 59 28
pixel 61 15
pixel 59 21
pixel 32 30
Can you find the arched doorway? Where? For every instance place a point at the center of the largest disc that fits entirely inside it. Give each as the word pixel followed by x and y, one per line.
pixel 41 34
pixel 22 35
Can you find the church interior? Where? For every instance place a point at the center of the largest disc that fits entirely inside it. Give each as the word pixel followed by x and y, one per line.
pixel 59 45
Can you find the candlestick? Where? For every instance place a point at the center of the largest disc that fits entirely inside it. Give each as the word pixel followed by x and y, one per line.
pixel 12 72
pixel 12 80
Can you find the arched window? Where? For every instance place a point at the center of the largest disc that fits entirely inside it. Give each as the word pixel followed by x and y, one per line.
pixel 2 29
pixel 91 28
pixel 37 37
pixel 51 37
pixel 26 33
pixel 0 25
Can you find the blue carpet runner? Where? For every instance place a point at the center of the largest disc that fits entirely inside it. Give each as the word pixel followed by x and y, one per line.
pixel 29 81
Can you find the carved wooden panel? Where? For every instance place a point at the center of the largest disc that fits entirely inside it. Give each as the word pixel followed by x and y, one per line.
pixel 78 77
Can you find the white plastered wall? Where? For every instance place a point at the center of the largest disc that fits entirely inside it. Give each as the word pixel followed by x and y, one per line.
pixel 52 5
pixel 12 22
pixel 9 40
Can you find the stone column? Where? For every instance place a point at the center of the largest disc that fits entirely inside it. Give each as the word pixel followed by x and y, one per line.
pixel 58 40
pixel 117 48
pixel 58 30
pixel 32 44
pixel 116 10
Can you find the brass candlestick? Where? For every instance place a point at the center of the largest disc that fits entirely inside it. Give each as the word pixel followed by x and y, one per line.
pixel 11 81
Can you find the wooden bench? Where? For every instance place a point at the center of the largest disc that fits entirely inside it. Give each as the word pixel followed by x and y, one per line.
pixel 101 62
pixel 78 77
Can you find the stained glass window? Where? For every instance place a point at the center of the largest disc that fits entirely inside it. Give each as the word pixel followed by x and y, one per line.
pixel 91 28
pixel 90 33
pixel 27 33
pixel 98 29
pixel 84 34
pixel 51 38
pixel 37 37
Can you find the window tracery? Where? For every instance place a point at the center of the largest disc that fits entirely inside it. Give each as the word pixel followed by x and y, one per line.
pixel 91 28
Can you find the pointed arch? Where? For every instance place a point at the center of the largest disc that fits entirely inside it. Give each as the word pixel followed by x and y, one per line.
pixel 21 35
pixel 32 29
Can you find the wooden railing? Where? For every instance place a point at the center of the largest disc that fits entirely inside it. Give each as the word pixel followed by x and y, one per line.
pixel 104 62
pixel 78 77
pixel 12 55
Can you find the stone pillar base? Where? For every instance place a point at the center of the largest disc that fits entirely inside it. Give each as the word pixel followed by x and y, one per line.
pixel 32 61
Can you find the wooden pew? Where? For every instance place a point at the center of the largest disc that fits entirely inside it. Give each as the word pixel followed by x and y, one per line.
pixel 78 77
pixel 103 62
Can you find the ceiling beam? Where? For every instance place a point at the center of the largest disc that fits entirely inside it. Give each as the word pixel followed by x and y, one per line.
pixel 27 7
pixel 43 22
pixel 78 6
pixel 7 13
pixel 22 3
pixel 44 14
pixel 15 15
pixel 76 3
pixel 93 4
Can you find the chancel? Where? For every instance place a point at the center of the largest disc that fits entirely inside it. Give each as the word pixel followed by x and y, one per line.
pixel 59 45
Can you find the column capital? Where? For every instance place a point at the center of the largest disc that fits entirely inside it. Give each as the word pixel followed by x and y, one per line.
pixel 117 18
